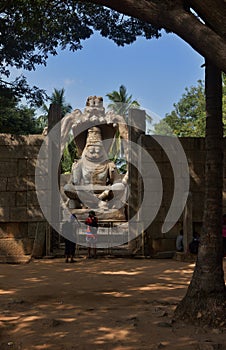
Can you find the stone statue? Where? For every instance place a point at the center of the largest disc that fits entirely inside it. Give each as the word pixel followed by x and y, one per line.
pixel 95 182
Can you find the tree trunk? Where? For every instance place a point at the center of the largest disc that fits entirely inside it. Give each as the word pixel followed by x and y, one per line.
pixel 175 17
pixel 205 301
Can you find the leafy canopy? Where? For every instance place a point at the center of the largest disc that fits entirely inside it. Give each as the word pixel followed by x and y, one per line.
pixel 189 115
pixel 32 30
pixel 70 150
pixel 57 97
pixel 16 118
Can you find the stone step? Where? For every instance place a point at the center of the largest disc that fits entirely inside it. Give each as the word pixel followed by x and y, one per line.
pixel 164 255
pixel 182 256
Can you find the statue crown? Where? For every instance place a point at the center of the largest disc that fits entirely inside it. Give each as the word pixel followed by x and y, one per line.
pixel 94 136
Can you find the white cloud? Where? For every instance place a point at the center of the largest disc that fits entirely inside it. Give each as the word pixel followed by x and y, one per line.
pixel 69 82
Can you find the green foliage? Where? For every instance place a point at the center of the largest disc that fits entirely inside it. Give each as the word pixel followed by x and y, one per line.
pixel 32 30
pixel 121 165
pixel 121 101
pixel 16 118
pixel 188 117
pixel 163 128
pixel 57 97
pixel 68 157
pixel 70 151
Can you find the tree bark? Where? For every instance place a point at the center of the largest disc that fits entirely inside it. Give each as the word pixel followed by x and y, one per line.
pixel 205 301
pixel 175 16
pixel 211 12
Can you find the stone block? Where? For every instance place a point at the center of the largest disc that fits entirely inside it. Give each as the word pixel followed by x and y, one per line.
pixel 34 213
pixel 32 152
pixel 30 183
pixel 188 257
pixel 22 167
pixel 35 140
pixel 3 183
pixel 13 250
pixel 190 143
pixel 21 199
pixel 40 182
pixel 197 156
pixel 153 142
pixel 19 151
pixel 18 214
pixel 31 164
pixel 40 198
pixel 13 230
pixel 32 198
pixel 163 244
pixel 4 214
pixel 8 167
pixel 28 245
pixel 11 246
pixel 12 140
pixel 19 183
pixel 34 227
pixel 7 199
pixel 149 170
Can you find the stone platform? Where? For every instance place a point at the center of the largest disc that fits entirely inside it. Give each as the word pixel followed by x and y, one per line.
pixel 110 215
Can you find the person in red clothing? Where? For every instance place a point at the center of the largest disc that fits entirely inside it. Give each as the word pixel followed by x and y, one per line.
pixel 224 234
pixel 91 233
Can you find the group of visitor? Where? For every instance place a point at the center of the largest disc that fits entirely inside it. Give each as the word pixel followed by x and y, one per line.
pixel 91 236
pixel 194 244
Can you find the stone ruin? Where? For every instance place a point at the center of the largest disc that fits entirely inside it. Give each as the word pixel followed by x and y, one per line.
pixel 24 231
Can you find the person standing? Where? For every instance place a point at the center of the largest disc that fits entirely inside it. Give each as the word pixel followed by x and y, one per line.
pixel 69 228
pixel 179 242
pixel 194 244
pixel 91 233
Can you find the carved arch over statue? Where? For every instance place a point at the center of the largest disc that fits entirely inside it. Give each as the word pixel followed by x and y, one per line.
pixel 94 114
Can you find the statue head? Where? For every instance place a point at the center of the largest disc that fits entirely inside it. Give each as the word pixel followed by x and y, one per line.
pixel 94 136
pixel 94 150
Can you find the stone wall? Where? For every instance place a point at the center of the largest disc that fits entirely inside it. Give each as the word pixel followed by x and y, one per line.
pixel 20 215
pixel 22 222
pixel 194 148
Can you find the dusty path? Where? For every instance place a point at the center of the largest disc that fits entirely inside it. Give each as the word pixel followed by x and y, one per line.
pixel 115 304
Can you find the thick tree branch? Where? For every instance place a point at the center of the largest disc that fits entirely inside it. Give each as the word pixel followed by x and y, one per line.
pixel 212 12
pixel 172 16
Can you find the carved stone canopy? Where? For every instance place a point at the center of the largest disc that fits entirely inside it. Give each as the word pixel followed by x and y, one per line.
pixel 94 115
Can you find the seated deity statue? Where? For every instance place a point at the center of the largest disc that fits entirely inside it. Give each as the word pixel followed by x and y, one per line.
pixel 95 181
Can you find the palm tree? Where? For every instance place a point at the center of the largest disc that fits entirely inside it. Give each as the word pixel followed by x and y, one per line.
pixel 57 97
pixel 121 102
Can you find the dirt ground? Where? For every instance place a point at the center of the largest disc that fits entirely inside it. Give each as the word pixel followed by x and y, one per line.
pixel 115 304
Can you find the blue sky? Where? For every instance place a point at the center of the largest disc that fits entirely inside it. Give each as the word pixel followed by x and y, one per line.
pixel 154 71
